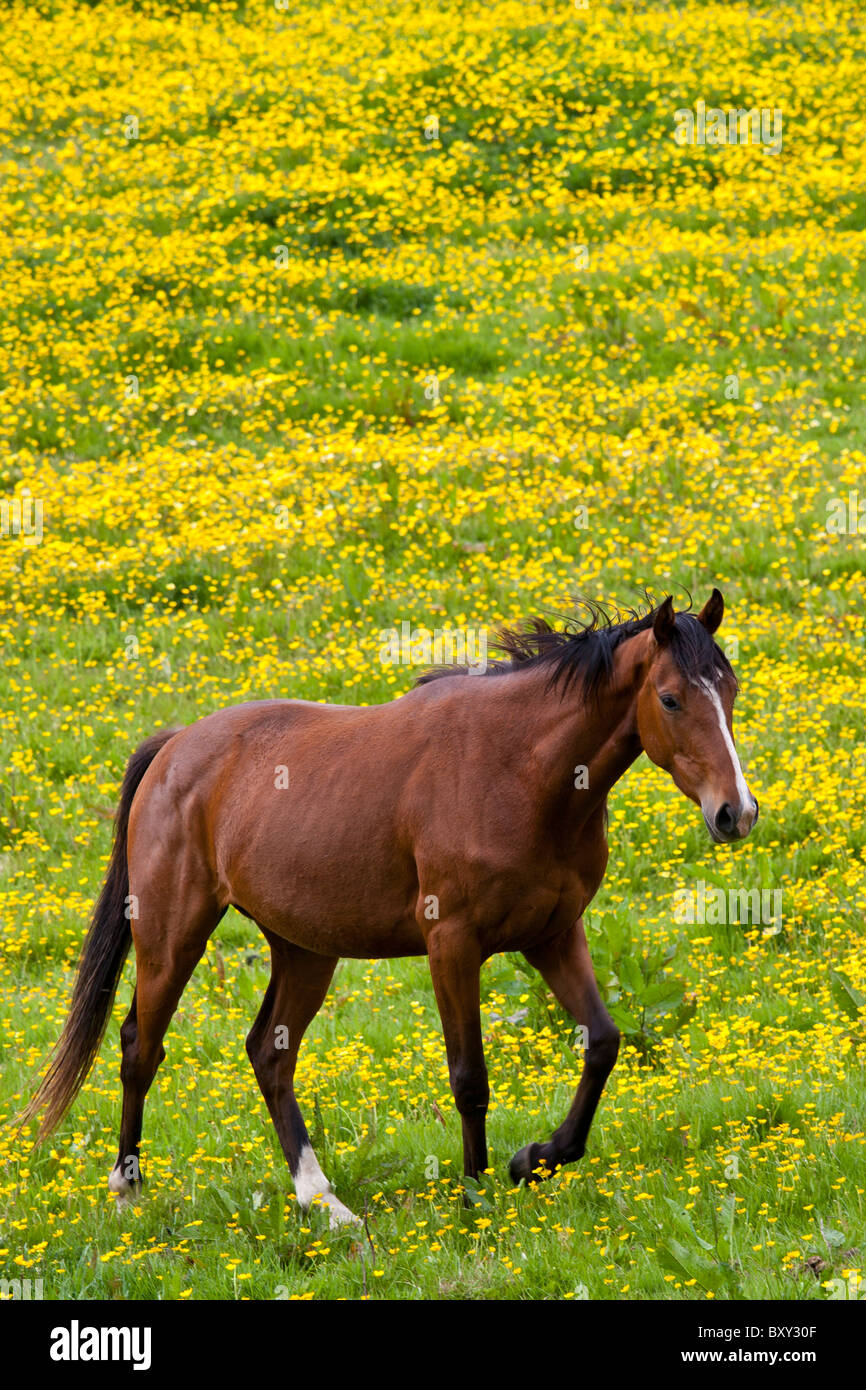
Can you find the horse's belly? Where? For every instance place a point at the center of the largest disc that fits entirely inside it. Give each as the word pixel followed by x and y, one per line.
pixel 330 888
pixel 365 943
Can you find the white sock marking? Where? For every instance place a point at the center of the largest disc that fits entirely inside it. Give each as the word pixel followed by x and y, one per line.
pixel 311 1183
pixel 121 1187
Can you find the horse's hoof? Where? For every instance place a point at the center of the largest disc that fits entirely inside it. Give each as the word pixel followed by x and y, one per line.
pixel 525 1164
pixel 339 1215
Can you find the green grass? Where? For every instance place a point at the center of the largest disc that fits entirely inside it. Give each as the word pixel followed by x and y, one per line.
pixel 603 386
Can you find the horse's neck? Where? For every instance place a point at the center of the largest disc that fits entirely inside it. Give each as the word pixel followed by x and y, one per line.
pixel 586 745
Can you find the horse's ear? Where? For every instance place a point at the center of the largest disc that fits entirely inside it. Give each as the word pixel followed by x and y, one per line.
pixel 663 627
pixel 712 612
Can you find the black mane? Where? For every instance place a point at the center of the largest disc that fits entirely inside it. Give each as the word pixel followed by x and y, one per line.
pixel 584 651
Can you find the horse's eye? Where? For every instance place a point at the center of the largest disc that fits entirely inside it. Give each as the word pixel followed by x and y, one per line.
pixel 669 702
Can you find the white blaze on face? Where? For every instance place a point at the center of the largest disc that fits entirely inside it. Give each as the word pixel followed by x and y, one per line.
pixel 311 1183
pixel 746 798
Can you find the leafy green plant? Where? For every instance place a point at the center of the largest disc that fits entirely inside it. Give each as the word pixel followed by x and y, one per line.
pixel 850 1000
pixel 645 1001
pixel 708 1263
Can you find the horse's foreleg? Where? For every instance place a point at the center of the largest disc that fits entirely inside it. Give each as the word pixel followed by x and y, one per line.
pixel 455 967
pixel 565 965
pixel 299 983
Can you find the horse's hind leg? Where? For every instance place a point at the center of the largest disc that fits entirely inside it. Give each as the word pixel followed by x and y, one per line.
pixel 299 983
pixel 567 968
pixel 170 938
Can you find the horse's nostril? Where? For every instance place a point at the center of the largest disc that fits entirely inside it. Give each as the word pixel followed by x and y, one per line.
pixel 726 821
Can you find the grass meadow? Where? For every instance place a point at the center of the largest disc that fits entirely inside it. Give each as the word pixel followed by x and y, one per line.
pixel 321 318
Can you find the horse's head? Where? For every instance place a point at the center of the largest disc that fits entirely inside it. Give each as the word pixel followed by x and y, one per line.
pixel 684 710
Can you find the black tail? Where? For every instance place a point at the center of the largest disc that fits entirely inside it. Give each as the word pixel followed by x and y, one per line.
pixel 106 947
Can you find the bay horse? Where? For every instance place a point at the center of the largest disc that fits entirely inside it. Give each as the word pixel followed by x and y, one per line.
pixel 447 823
